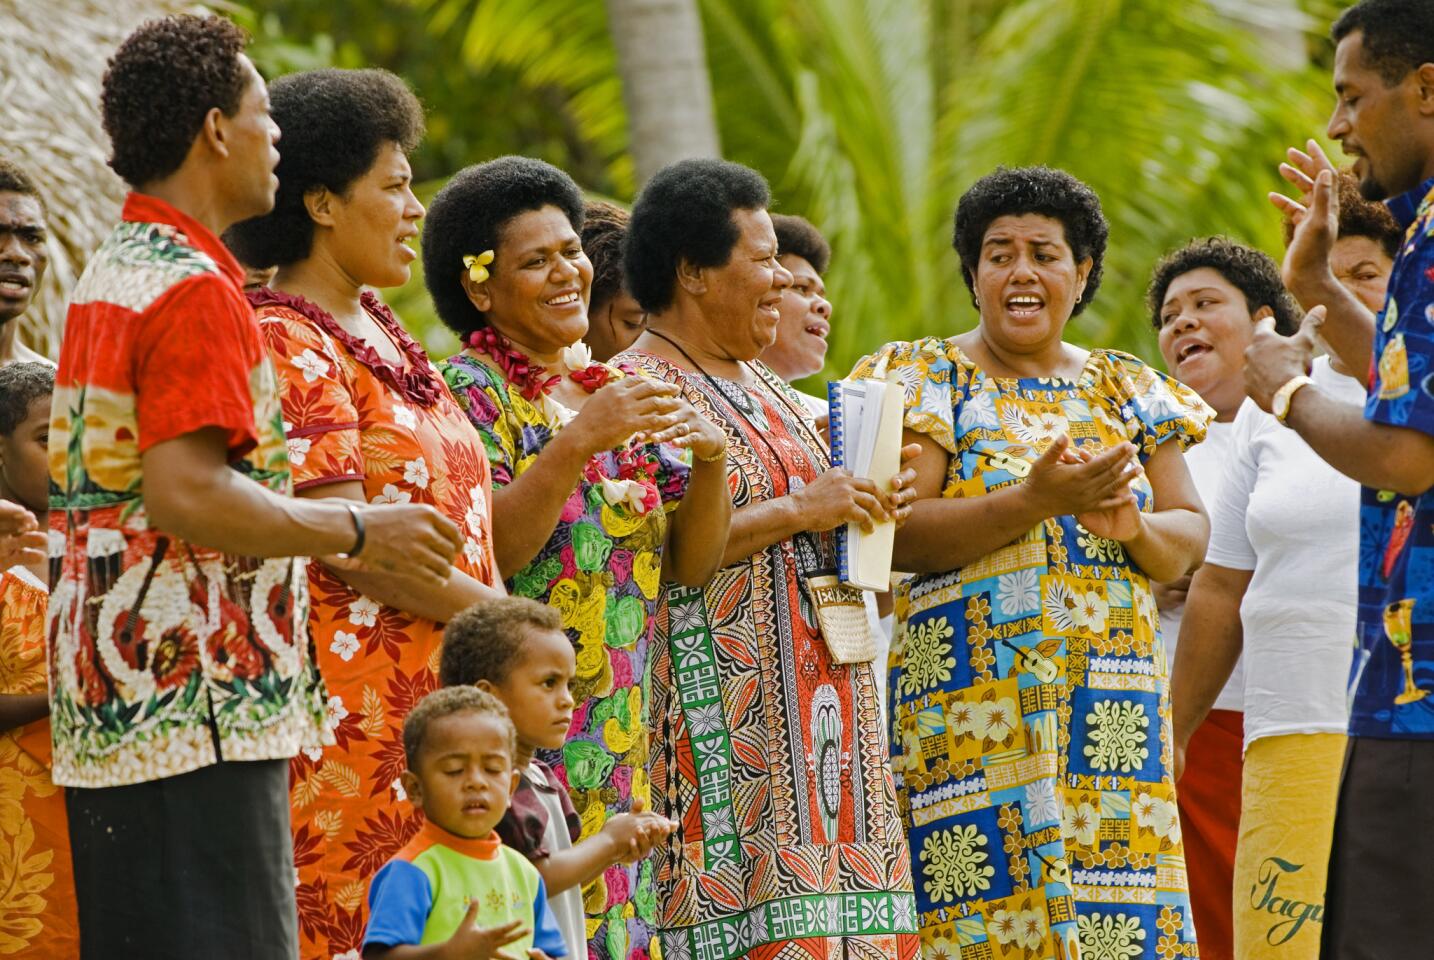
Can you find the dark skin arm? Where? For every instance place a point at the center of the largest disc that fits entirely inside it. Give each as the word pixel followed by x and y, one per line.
pixel 832 499
pixel 698 531
pixel 469 942
pixel 18 709
pixel 613 414
pixel 1378 455
pixel 949 533
pixel 1211 639
pixel 202 501
pixel 439 602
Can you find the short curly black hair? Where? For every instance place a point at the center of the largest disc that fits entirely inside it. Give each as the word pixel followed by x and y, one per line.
pixel 15 179
pixel 1359 217
pixel 1248 270
pixel 486 640
pixel 21 384
pixel 445 702
pixel 161 83
pixel 797 236
pixel 1014 191
pixel 1398 35
pixel 604 226
pixel 685 213
pixel 333 123
pixel 468 216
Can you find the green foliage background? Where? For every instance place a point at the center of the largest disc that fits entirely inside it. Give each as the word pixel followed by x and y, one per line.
pixel 870 117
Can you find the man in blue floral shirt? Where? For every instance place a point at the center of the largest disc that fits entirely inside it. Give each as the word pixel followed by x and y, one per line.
pixel 1382 865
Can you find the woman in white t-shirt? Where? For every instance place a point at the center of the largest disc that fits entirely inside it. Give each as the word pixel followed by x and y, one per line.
pixel 1279 585
pixel 1205 299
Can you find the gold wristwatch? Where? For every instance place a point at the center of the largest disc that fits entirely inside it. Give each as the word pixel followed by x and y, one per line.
pixel 1280 403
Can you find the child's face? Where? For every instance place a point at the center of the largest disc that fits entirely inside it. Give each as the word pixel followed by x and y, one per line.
pixel 25 459
pixel 465 774
pixel 537 691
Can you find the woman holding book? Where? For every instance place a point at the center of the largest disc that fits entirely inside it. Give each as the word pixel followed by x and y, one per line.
pixel 604 484
pixel 1030 725
pixel 770 752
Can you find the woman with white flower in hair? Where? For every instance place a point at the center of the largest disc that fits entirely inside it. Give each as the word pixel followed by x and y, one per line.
pixel 1029 688
pixel 368 419
pixel 605 483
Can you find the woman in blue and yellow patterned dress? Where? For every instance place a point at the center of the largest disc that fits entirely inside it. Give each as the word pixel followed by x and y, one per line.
pixel 1029 689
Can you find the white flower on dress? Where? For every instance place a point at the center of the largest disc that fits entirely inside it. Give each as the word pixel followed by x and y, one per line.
pixel 391 494
pixel 1018 592
pixel 1081 822
pixel 398 792
pixel 1060 605
pixel 415 472
pixel 298 449
pixel 335 713
pixel 473 552
pixel 963 719
pixel 979 410
pixel 1041 805
pixel 363 612
pixel 345 645
pixel 1091 611
pixel 405 417
pixel 1159 816
pixel 998 719
pixel 1035 427
pixel 348 955
pixel 315 754
pixel 1031 928
pixel 1005 925
pixel 312 365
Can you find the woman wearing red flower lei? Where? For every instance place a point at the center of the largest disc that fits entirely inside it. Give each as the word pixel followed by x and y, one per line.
pixel 369 419
pixel 605 484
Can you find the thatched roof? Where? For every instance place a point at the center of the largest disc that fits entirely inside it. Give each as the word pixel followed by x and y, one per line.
pixel 52 55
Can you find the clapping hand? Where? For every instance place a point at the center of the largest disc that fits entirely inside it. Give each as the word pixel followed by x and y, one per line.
pixel 1119 517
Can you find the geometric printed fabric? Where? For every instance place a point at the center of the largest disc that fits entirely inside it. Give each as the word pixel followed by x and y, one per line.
pixel 768 754
pixel 1029 689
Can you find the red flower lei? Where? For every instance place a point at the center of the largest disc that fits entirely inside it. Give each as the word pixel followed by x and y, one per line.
pixel 530 378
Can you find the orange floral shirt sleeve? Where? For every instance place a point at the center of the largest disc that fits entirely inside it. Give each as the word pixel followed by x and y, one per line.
pixel 321 418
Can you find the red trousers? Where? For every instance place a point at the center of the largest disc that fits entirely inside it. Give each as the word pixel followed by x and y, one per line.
pixel 1209 799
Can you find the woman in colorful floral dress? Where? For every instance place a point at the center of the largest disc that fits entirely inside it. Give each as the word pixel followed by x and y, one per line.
pixel 1030 719
pixel 769 751
pixel 605 484
pixel 368 418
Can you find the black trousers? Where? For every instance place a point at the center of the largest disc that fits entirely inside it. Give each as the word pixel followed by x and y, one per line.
pixel 195 866
pixel 1379 902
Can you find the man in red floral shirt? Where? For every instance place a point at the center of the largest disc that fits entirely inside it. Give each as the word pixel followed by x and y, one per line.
pixel 182 676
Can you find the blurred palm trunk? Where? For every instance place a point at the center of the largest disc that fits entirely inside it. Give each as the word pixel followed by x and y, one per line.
pixel 665 84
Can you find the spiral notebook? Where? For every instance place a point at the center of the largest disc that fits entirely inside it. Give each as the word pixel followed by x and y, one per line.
pixel 865 423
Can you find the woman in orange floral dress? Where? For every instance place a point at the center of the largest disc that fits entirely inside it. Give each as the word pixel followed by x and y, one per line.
pixel 37 888
pixel 367 418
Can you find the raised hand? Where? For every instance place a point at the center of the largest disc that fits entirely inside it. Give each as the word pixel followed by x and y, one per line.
pixel 1315 217
pixel 1271 360
pixel 624 409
